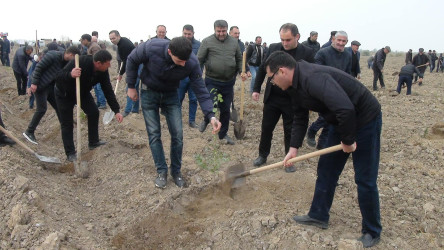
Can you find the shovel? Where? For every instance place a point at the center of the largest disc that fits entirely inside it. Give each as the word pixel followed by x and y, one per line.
pixel 40 157
pixel 239 127
pixel 80 168
pixel 108 116
pixel 236 174
pixel 234 117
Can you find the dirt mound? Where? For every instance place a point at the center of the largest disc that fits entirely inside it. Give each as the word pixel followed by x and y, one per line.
pixel 47 206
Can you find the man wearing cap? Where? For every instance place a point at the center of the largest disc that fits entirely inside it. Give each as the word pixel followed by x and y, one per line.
pixel 378 67
pixel 421 61
pixel 312 42
pixel 408 57
pixel 356 56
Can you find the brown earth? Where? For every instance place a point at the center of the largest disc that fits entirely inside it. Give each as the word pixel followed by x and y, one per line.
pixel 46 206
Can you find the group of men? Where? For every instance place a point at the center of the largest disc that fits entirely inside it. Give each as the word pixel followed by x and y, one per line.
pixel 299 79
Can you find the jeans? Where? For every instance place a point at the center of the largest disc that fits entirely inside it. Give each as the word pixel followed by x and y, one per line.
pixel 5 59
pixel 185 87
pixel 226 90
pixel 101 101
pixel 377 74
pixel 370 64
pixel 253 71
pixel 432 66
pixel 407 80
pixel 21 83
pixel 65 105
pixel 169 106
pixel 314 128
pixel 42 97
pixel 133 106
pixel 365 164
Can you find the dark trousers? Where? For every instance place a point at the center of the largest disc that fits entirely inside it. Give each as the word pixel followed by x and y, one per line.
pixel 422 71
pixel 407 80
pixel 432 65
pixel 21 83
pixel 377 74
pixel 315 127
pixel 5 59
pixel 42 97
pixel 226 90
pixel 365 164
pixel 65 105
pixel 273 109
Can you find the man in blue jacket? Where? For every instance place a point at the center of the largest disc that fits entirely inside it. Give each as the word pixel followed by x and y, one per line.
pixel 20 67
pixel 165 63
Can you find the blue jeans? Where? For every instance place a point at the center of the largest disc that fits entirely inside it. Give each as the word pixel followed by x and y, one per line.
pixel 169 106
pixel 407 80
pixel 101 101
pixel 5 60
pixel 253 70
pixel 184 87
pixel 365 164
pixel 133 106
pixel 226 90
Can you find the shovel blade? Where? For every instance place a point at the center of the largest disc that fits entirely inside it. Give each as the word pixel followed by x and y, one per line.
pixel 239 130
pixel 234 116
pixel 48 159
pixel 81 169
pixel 108 117
pixel 234 177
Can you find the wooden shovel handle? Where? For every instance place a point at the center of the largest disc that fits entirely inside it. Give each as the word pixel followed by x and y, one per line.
pixel 422 65
pixel 244 58
pixel 79 134
pixel 299 158
pixel 10 135
pixel 117 84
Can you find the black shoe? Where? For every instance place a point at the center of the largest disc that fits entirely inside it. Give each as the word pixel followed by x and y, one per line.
pixel 307 220
pixel 30 137
pixel 72 157
pixel 125 114
pixel 180 182
pixel 228 140
pixel 161 180
pixel 290 169
pixel 4 140
pixel 311 141
pixel 203 126
pixel 193 125
pixel 368 241
pixel 259 161
pixel 92 146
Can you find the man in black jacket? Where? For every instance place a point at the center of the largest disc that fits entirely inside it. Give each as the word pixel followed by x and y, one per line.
pixel 378 67
pixel 124 48
pixel 421 61
pixel 406 76
pixel 43 81
pixel 312 42
pixel 355 119
pixel 408 57
pixel 277 103
pixel 255 56
pixel 91 71
pixel 20 68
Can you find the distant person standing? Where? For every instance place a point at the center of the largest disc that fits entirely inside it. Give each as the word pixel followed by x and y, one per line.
pixel 356 56
pixel 161 32
pixel 235 33
pixel 264 45
pixel 370 61
pixel 378 67
pixel 1 52
pixel 20 67
pixel 312 42
pixel 185 84
pixel 421 61
pixel 406 76
pixel 6 49
pixel 408 57
pixel 433 59
pixel 439 65
pixel 332 36
pixel 255 56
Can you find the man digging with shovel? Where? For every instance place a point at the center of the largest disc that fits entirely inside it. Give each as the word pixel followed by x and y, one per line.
pixel 91 71
pixel 338 97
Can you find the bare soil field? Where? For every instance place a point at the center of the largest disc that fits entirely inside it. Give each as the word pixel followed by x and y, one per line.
pixel 46 206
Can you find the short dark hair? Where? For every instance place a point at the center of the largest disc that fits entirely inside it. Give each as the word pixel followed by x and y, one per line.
pixel 29 47
pixel 233 27
pixel 102 56
pixel 290 26
pixel 115 32
pixel 280 59
pixel 220 23
pixel 95 33
pixel 333 33
pixel 181 47
pixel 73 50
pixel 257 37
pixel 188 27
pixel 87 37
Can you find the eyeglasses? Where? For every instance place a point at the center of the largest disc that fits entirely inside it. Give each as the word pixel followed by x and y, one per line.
pixel 272 76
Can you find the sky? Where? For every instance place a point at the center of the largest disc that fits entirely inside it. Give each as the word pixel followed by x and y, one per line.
pixel 402 25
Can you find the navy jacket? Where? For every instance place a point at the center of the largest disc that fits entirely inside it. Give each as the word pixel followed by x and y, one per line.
pixel 327 44
pixel 46 70
pixel 67 85
pixel 338 97
pixel 160 73
pixel 6 48
pixel 21 60
pixel 358 56
pixel 331 57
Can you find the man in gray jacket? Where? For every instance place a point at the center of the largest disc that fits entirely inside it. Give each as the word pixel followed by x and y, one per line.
pixel 221 56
